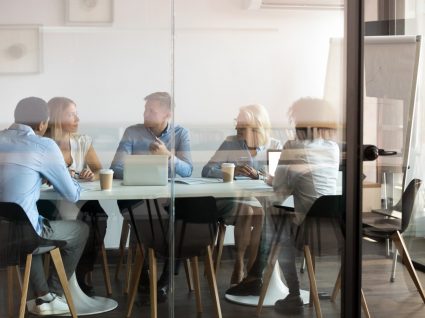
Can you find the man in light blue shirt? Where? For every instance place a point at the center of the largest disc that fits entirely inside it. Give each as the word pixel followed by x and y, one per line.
pixel 26 161
pixel 154 137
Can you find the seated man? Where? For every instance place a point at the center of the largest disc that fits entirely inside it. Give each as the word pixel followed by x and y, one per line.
pixel 27 160
pixel 155 136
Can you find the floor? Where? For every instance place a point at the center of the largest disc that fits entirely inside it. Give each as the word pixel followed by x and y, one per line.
pixel 385 299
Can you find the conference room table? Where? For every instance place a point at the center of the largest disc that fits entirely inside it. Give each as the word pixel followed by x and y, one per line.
pixel 197 187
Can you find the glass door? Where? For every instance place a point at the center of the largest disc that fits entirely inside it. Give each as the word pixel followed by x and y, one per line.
pixel 392 192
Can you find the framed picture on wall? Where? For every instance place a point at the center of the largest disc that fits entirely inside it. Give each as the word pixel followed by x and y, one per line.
pixel 87 12
pixel 20 49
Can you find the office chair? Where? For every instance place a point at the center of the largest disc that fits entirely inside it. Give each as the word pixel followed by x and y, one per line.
pixel 325 210
pixel 390 227
pixel 18 239
pixel 195 229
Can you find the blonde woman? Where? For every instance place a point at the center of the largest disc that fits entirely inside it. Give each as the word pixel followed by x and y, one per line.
pixel 84 165
pixel 248 151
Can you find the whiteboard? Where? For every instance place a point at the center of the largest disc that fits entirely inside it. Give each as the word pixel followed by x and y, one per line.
pixel 390 72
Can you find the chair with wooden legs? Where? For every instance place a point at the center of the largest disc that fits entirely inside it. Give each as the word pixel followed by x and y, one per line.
pixel 195 230
pixel 325 210
pixel 386 226
pixel 18 240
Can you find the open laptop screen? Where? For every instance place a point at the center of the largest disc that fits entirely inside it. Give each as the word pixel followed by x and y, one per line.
pixel 273 157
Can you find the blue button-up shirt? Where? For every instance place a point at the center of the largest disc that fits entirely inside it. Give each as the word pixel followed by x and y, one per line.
pixel 26 159
pixel 137 139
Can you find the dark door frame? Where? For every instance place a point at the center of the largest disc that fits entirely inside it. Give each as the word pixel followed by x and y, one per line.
pixel 352 267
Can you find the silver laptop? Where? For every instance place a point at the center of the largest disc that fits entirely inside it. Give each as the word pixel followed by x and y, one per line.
pixel 145 170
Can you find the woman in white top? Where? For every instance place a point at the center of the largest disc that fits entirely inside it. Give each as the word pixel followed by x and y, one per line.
pixel 83 164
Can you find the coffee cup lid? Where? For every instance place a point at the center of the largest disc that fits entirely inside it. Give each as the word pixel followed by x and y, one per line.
pixel 228 165
pixel 106 171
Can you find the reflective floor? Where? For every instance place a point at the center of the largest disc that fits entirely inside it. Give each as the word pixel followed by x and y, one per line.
pixel 384 299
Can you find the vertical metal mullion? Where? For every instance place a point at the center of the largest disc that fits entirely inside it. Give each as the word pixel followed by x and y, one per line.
pixel 352 269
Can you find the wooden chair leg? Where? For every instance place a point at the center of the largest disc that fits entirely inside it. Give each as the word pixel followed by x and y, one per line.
pixel 25 286
pixel 128 270
pixel 407 261
pixel 337 287
pixel 312 278
pixel 57 261
pixel 123 241
pixel 274 253
pixel 212 282
pixel 153 274
pixel 10 291
pixel 189 278
pixel 364 305
pixel 219 249
pixel 195 274
pixel 105 266
pixel 136 273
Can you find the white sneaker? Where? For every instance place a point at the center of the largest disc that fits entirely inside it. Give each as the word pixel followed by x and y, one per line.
pixel 56 306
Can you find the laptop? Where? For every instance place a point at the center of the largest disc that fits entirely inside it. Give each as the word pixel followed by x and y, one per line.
pixel 273 156
pixel 145 170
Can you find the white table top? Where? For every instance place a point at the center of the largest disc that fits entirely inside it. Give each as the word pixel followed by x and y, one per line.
pixel 239 188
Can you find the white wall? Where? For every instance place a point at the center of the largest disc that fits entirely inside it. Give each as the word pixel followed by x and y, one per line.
pixel 225 57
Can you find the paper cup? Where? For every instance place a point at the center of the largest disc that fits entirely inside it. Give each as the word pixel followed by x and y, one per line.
pixel 228 171
pixel 105 178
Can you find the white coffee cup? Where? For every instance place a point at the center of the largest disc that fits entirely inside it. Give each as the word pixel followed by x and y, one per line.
pixel 228 171
pixel 105 177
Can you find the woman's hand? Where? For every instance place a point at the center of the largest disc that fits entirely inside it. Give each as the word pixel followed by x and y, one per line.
pixel 86 174
pixel 247 171
pixel 269 180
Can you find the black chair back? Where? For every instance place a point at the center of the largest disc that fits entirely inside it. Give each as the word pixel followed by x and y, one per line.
pixel 195 226
pixel 325 217
pixel 406 203
pixel 17 235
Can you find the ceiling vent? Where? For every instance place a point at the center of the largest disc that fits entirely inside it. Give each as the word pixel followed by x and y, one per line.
pixel 294 4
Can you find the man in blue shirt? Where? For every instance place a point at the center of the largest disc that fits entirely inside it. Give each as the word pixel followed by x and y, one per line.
pixel 27 160
pixel 155 136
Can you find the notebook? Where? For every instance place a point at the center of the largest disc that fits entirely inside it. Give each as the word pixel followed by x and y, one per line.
pixel 145 170
pixel 273 157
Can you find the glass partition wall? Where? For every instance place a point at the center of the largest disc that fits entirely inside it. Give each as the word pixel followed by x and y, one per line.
pixel 250 80
pixel 243 101
pixel 393 109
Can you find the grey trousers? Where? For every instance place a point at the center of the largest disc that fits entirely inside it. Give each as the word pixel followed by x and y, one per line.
pixel 75 233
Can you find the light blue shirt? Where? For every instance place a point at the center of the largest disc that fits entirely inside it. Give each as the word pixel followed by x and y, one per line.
pixel 26 159
pixel 137 139
pixel 307 170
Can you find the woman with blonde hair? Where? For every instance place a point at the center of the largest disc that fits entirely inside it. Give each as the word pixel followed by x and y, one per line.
pixel 84 165
pixel 248 151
